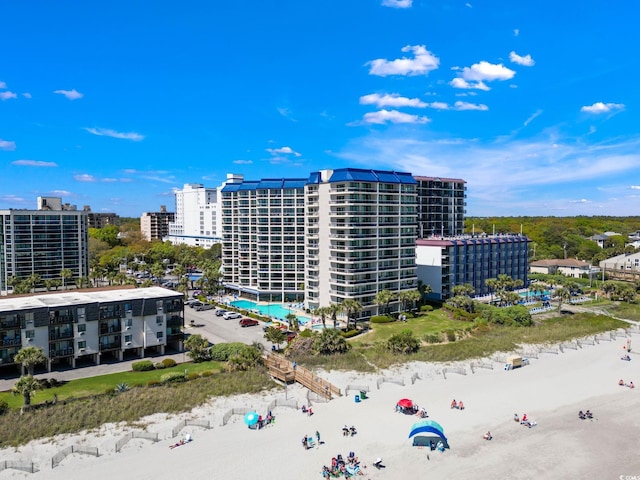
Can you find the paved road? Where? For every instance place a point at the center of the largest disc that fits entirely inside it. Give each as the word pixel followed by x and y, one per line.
pixel 215 329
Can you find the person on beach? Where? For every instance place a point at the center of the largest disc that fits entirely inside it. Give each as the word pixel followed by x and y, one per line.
pixel 318 436
pixel 454 404
pixel 487 436
pixel 631 385
pixel 460 405
pixel 516 418
pixel 621 382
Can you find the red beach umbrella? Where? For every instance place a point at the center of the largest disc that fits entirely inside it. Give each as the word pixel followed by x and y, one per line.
pixel 405 403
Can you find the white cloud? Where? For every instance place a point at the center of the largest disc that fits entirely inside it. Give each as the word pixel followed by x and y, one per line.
pixel 7 95
pixel 3 85
pixel 516 32
pixel 582 200
pixel 462 83
pixel 600 107
pixel 34 163
pixel 106 132
pixel 468 5
pixel 13 199
pixel 84 177
pixel 60 193
pixel 470 106
pixel 243 162
pixel 286 113
pixel 70 94
pixel 635 187
pixel 285 150
pixel 391 100
pixel 439 105
pixel 397 3
pixel 422 63
pixel 532 117
pixel 485 71
pixel 26 95
pixel 392 116
pixel 526 61
pixel 7 145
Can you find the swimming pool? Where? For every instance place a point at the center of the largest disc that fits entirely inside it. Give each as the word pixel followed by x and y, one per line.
pixel 534 294
pixel 276 310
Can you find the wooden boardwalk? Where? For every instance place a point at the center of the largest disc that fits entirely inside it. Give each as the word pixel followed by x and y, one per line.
pixel 282 369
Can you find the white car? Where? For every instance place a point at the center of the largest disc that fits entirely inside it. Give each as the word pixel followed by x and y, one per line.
pixel 231 315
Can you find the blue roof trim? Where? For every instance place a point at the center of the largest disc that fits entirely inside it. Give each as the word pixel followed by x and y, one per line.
pixel 232 187
pixel 314 178
pixel 266 184
pixel 378 176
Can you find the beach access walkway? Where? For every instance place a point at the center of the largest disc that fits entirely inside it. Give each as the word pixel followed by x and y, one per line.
pixel 286 371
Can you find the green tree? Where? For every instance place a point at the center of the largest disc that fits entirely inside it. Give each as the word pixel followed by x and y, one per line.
pixel 562 294
pixel 492 285
pixel 275 335
pixel 65 275
pixel 248 357
pixel 384 298
pixel 29 357
pixel 27 387
pixel 198 347
pixel 294 322
pixel 324 312
pixel 351 308
pixel 107 234
pixel 329 341
pixel 466 289
pixel 424 289
pixel 335 309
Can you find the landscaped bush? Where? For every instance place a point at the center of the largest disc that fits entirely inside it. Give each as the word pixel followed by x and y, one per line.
pixel 307 333
pixel 350 333
pixel 142 366
pixel 451 335
pixel 222 351
pixel 4 407
pixel 153 383
pixel 159 365
pixel 426 308
pixel 169 362
pixel 381 319
pixel 207 373
pixel 193 376
pixel 403 342
pixel 172 377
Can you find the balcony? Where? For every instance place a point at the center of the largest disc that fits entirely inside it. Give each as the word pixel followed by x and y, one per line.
pixel 60 352
pixel 114 345
pixel 67 334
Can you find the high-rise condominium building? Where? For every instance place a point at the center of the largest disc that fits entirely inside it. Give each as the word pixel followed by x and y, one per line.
pixel 43 242
pixel 155 225
pixel 336 235
pixel 100 219
pixel 196 219
pixel 360 237
pixel 263 234
pixel 441 206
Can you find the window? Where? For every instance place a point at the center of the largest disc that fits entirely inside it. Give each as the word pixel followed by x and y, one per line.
pixel 160 335
pixel 82 327
pixel 82 344
pixel 159 320
pixel 128 322
pixel 128 338
pixel 30 333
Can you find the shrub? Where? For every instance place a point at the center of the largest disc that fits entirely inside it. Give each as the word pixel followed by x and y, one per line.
pixel 207 373
pixel 169 362
pixel 142 366
pixel 403 342
pixel 350 333
pixel 4 407
pixel 153 383
pixel 426 308
pixel 306 333
pixel 109 392
pixel 451 335
pixel 193 376
pixel 172 377
pixel 432 338
pixel 381 319
pixel 159 366
pixel 122 387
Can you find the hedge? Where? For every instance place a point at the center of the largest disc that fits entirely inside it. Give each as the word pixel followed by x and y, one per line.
pixel 381 319
pixel 172 377
pixel 426 308
pixel 169 362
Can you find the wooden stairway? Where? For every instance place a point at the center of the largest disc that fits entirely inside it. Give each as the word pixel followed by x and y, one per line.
pixel 282 369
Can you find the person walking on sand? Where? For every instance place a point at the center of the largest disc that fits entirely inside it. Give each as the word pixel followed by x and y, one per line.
pixel 318 436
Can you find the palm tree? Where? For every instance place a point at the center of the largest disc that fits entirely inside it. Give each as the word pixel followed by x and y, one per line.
pixel 33 281
pixel 384 297
pixel 29 357
pixel 329 341
pixel 323 313
pixel 274 335
pixel 414 297
pixel 424 289
pixel 334 310
pixel 465 290
pixel 351 307
pixel 294 323
pixel 562 294
pixel 65 274
pixel 492 285
pixel 26 386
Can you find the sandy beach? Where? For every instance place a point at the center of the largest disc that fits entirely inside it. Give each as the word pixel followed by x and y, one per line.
pixel 551 391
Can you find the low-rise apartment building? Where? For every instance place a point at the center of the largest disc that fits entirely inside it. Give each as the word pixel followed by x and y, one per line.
pixel 91 326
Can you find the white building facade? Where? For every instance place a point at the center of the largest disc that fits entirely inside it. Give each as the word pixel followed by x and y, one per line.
pixel 197 219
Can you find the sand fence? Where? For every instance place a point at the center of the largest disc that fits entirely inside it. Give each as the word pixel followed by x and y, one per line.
pixel 62 454
pixel 28 467
pixel 278 402
pixel 136 434
pixel 206 424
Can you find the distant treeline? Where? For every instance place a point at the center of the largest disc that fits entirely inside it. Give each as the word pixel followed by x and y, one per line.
pixel 560 237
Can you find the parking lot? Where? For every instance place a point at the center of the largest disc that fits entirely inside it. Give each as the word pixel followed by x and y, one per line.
pixel 218 330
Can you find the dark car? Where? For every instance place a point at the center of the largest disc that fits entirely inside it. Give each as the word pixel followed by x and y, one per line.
pixel 196 304
pixel 220 312
pixel 205 306
pixel 248 322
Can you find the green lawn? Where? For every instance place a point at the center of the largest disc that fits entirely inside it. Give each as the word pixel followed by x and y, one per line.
pixel 90 386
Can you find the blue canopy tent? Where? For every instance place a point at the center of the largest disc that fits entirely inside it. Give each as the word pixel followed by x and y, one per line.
pixel 427 431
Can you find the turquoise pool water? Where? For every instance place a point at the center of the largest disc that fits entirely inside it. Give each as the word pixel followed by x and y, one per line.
pixel 534 294
pixel 276 310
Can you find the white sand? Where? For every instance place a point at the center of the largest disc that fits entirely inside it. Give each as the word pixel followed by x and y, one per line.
pixel 550 390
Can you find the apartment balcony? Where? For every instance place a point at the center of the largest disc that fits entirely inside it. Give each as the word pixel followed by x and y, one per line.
pixel 62 319
pixel 11 342
pixel 64 335
pixel 114 344
pixel 9 325
pixel 60 352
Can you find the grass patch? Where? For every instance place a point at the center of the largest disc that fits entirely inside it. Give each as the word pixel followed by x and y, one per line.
pixel 130 406
pixel 91 386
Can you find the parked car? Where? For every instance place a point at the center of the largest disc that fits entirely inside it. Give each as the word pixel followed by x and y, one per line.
pixel 196 303
pixel 248 322
pixel 220 312
pixel 231 315
pixel 205 306
pixel 191 302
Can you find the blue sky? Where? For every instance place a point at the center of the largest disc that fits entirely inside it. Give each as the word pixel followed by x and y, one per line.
pixel 116 104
